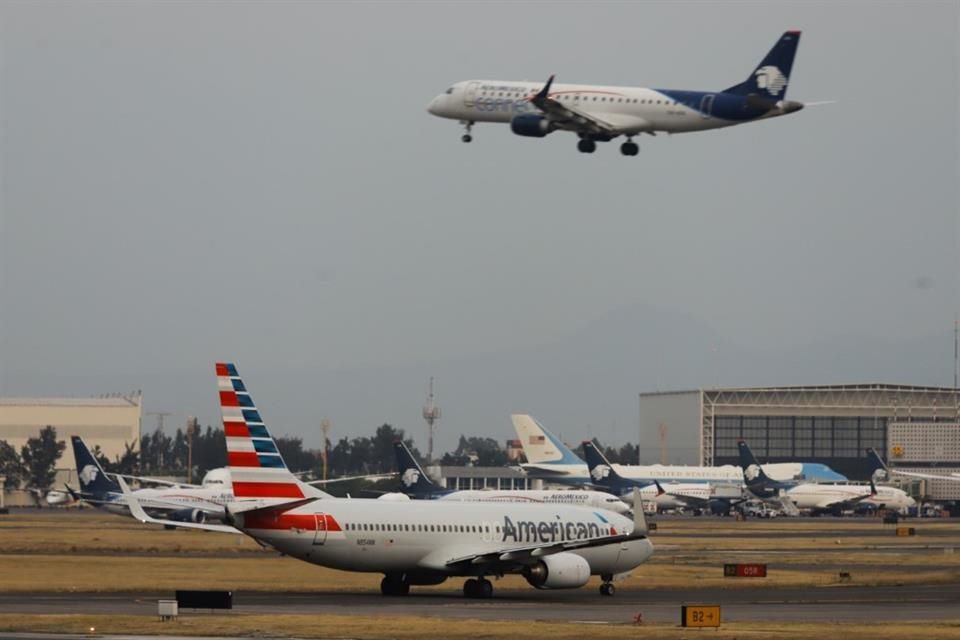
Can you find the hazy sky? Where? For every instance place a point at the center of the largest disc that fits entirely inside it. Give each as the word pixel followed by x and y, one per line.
pixel 261 182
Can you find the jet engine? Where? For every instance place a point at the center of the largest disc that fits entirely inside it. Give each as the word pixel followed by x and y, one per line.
pixel 189 515
pixel 531 125
pixel 559 571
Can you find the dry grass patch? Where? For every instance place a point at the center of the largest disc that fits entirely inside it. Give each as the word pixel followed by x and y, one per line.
pixel 413 628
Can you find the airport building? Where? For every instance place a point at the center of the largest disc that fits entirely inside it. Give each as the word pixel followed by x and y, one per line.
pixel 913 427
pixel 111 422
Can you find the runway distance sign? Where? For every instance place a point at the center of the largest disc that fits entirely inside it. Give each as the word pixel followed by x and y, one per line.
pixel 700 615
pixel 744 570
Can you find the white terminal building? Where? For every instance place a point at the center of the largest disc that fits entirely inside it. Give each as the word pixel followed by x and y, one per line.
pixel 914 428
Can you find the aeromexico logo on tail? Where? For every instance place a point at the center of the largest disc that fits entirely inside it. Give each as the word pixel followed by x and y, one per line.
pixel 600 472
pixel 88 474
pixel 410 477
pixel 752 472
pixel 771 79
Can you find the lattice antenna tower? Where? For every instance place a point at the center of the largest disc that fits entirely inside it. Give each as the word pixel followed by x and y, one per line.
pixel 431 413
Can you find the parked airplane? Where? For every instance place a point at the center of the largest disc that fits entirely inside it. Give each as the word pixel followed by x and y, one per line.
pixel 416 484
pixel 880 464
pixel 549 459
pixel 819 497
pixel 699 496
pixel 552 546
pixel 177 503
pixel 601 113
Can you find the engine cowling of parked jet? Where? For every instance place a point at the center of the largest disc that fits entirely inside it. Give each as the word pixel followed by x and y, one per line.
pixel 559 571
pixel 531 125
pixel 189 515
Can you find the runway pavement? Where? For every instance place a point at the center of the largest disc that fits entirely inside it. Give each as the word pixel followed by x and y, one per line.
pixel 824 604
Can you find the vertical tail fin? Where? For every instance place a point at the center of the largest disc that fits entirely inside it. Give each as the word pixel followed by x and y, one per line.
pixel 752 471
pixel 415 482
pixel 539 445
pixel 256 466
pixel 772 75
pixel 601 471
pixel 93 479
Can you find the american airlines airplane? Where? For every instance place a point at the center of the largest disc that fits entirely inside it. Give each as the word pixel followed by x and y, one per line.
pixel 416 484
pixel 551 460
pixel 601 113
pixel 553 546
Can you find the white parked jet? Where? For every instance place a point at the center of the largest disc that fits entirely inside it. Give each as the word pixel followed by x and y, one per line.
pixel 601 113
pixel 552 546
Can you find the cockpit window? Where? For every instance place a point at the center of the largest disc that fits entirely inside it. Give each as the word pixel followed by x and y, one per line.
pixel 449 91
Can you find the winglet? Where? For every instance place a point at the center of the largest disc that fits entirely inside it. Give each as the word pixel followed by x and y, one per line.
pixel 639 518
pixel 544 93
pixel 660 490
pixel 134 505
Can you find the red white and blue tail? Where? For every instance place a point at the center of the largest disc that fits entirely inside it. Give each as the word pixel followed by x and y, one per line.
pixel 255 463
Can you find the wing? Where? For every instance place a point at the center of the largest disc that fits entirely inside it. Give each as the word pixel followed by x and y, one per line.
pixel 136 510
pixel 374 476
pixel 573 119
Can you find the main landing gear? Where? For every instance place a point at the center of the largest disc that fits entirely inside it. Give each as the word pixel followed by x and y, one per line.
pixel 586 145
pixel 394 584
pixel 478 588
pixel 468 125
pixel 629 148
pixel 607 588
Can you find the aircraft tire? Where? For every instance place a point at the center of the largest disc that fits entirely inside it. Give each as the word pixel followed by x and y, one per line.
pixel 607 589
pixel 629 148
pixel 484 588
pixel 466 137
pixel 585 145
pixel 470 589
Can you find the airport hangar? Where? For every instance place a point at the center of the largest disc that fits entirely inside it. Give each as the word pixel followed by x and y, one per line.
pixel 915 428
pixel 112 422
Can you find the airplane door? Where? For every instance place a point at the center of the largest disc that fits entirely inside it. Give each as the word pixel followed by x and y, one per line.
pixel 320 533
pixel 470 94
pixel 706 106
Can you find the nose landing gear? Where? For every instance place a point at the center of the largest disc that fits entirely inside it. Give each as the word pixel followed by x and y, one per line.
pixel 468 125
pixel 607 588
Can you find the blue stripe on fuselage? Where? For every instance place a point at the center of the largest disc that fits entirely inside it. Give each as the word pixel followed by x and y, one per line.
pixel 725 106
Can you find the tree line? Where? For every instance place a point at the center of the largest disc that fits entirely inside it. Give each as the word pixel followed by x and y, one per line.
pixel 162 454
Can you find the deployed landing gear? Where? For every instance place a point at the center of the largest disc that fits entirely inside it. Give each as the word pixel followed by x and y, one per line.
pixel 586 145
pixel 394 584
pixel 607 588
pixel 478 588
pixel 468 125
pixel 629 148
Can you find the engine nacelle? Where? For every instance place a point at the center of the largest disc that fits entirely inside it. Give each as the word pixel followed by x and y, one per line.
pixel 530 125
pixel 559 571
pixel 189 515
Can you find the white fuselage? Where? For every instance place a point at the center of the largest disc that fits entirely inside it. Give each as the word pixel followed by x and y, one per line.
pixel 425 536
pixel 591 499
pixel 211 500
pixel 629 110
pixel 814 496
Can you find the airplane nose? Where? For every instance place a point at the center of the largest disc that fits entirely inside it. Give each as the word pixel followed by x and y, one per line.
pixel 434 106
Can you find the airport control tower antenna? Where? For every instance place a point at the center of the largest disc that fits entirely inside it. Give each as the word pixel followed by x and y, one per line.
pixel 431 413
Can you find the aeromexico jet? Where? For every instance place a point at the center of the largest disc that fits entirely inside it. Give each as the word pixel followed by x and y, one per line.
pixel 601 113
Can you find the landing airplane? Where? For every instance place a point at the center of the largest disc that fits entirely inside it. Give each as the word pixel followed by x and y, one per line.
pixel 177 503
pixel 819 497
pixel 601 113
pixel 687 495
pixel 552 546
pixel 416 484
pixel 551 460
